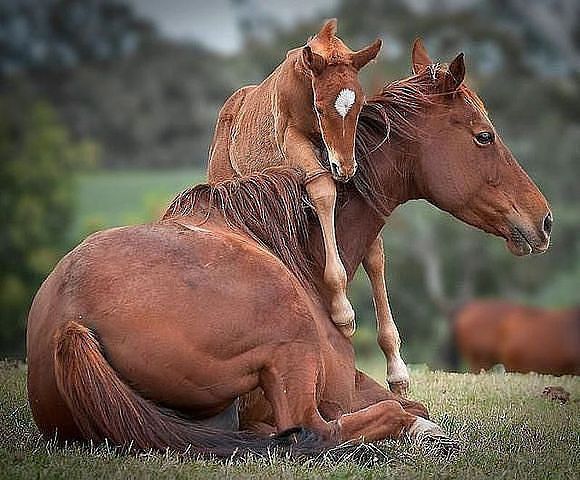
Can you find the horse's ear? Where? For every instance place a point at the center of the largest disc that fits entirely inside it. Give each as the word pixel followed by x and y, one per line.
pixel 455 74
pixel 328 30
pixel 364 56
pixel 312 61
pixel 420 57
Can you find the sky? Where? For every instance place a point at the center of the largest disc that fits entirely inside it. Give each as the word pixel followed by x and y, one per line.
pixel 214 23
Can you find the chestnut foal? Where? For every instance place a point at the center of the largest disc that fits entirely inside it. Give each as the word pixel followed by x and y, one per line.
pixel 313 98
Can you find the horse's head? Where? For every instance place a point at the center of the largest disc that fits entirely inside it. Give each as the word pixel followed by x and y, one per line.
pixel 338 95
pixel 467 170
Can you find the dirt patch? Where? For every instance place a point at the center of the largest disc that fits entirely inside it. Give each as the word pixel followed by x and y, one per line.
pixel 556 394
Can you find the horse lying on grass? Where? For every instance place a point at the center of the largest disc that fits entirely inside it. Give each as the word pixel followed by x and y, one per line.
pixel 142 332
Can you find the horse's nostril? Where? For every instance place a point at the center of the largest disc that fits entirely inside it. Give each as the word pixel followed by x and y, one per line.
pixel 547 225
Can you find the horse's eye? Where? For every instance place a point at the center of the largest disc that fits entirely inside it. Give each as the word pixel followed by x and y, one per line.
pixel 484 138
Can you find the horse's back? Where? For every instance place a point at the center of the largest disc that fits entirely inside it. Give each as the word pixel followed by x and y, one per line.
pixel 476 332
pixel 188 316
pixel 522 338
pixel 542 341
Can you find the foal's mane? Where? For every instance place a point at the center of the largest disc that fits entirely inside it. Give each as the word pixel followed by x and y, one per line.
pixel 270 207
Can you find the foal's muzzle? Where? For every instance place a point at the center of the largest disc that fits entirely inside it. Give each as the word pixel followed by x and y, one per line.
pixel 340 174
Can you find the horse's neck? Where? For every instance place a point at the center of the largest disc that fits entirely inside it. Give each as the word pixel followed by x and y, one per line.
pixel 357 222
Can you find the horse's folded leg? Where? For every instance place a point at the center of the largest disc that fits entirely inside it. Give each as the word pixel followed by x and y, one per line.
pixel 386 419
pixel 428 433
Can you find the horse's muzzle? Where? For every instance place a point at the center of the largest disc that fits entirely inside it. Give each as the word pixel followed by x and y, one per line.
pixel 524 239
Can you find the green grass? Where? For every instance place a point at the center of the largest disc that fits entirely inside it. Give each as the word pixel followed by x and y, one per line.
pixel 504 426
pixel 113 198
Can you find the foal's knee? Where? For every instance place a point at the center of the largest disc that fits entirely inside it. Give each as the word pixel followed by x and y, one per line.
pixel 335 277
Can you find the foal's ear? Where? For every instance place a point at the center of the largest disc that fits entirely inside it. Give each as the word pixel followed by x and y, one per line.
pixel 365 55
pixel 455 74
pixel 312 61
pixel 328 30
pixel 420 57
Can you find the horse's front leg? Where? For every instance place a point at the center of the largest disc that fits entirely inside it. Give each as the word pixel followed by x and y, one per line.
pixel 397 375
pixel 322 193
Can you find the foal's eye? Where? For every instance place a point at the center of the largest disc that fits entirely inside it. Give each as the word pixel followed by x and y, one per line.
pixel 484 138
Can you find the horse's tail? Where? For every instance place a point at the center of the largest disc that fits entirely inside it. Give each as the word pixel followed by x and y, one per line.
pixel 104 407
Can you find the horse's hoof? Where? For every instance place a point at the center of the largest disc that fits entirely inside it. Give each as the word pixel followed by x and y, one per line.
pixel 347 330
pixel 430 435
pixel 397 376
pixel 399 388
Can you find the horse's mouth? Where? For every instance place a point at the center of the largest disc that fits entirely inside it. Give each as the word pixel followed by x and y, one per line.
pixel 521 242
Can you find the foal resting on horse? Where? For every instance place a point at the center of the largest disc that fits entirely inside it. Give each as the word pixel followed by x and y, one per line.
pixel 312 99
pixel 110 347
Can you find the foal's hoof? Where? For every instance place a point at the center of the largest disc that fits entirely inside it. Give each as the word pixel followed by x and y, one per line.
pixel 347 330
pixel 343 318
pixel 400 388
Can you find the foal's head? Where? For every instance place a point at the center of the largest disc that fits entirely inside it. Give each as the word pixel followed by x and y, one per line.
pixel 338 96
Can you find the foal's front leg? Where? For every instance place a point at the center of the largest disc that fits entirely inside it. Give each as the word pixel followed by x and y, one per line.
pixel 321 190
pixel 322 193
pixel 397 375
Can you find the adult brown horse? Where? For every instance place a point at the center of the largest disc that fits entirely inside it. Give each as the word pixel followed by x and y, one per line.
pixel 523 339
pixel 312 98
pixel 399 105
pixel 442 147
pixel 215 302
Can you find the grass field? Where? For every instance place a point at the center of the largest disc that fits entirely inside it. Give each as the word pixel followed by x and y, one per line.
pixel 113 198
pixel 504 427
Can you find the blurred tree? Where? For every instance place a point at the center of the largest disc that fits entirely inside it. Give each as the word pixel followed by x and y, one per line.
pixel 37 163
pixel 57 34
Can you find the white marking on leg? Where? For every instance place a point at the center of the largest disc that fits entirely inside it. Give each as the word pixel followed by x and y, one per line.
pixel 397 370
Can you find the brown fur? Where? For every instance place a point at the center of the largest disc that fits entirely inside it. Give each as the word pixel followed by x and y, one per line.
pixel 105 408
pixel 523 339
pixel 193 314
pixel 270 209
pixel 284 120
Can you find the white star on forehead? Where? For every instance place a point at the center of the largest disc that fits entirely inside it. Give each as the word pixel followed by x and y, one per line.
pixel 344 101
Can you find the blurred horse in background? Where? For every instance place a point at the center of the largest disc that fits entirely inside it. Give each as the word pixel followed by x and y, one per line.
pixel 523 339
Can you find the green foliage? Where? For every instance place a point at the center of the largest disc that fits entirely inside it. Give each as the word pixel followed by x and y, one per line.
pixel 37 162
pixel 125 197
